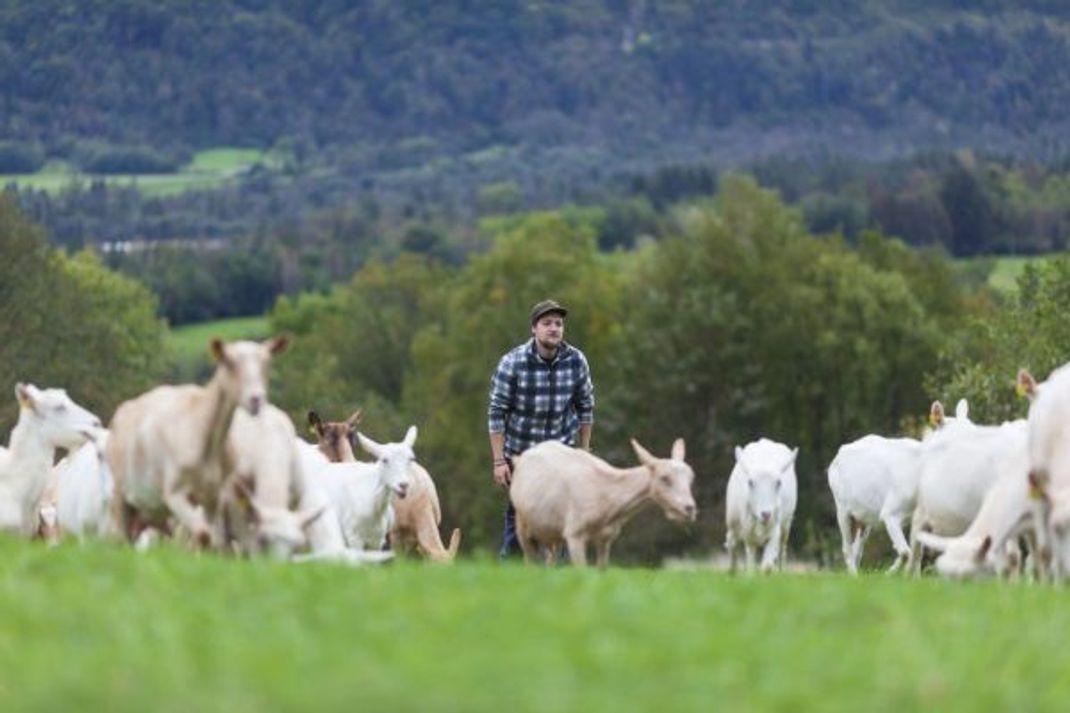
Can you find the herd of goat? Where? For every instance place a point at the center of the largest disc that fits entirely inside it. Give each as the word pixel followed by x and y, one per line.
pixel 219 467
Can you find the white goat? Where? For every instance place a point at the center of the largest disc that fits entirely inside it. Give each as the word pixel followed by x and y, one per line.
pixel 168 447
pixel 360 493
pixel 874 480
pixel 48 420
pixel 83 491
pixel 990 544
pixel 267 465
pixel 565 495
pixel 760 502
pixel 327 542
pixel 1049 468
pixel 959 466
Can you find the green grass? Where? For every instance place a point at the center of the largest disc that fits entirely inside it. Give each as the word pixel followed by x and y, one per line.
pixel 102 628
pixel 209 169
pixel 189 343
pixel 1007 270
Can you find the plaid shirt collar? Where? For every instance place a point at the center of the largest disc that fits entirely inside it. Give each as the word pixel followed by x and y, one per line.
pixel 563 352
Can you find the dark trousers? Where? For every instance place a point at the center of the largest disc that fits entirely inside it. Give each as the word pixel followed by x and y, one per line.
pixel 510 542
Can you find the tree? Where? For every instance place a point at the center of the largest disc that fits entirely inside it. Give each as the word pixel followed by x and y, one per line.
pixel 70 322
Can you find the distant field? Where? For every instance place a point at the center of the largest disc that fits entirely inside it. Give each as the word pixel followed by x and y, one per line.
pixel 1005 270
pixel 208 169
pixel 189 343
pixel 104 628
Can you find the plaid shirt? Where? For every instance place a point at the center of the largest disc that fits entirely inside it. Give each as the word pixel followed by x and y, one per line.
pixel 534 400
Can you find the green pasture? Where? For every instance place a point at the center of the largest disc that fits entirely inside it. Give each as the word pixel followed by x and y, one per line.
pixel 1001 273
pixel 208 169
pixel 105 628
pixel 189 343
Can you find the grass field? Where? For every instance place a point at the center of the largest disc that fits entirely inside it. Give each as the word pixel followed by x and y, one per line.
pixel 102 628
pixel 189 343
pixel 209 169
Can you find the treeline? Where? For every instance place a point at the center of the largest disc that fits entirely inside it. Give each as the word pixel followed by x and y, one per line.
pixel 233 251
pixel 390 81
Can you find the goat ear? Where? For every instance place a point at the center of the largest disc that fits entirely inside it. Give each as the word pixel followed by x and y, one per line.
pixel 936 414
pixel 315 423
pixel 25 395
pixel 410 436
pixel 354 420
pixel 278 344
pixel 962 410
pixel 982 551
pixel 794 457
pixel 643 454
pixel 369 445
pixel 217 350
pixel 1037 490
pixel 739 454
pixel 1026 385
pixel 678 449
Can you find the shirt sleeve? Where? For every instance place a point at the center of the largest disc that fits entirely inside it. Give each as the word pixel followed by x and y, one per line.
pixel 584 396
pixel 502 394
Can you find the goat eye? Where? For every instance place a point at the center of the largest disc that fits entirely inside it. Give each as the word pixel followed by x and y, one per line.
pixel 750 483
pixel 666 479
pixel 61 408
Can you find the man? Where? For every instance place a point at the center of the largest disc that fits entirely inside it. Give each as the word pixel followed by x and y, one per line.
pixel 540 391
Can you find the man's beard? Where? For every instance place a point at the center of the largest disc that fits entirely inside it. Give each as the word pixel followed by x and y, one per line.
pixel 548 345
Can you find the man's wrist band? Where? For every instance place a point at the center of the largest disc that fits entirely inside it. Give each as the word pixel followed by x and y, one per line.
pixel 500 461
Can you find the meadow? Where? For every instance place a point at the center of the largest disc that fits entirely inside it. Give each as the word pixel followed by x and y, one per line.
pixel 105 628
pixel 189 343
pixel 207 170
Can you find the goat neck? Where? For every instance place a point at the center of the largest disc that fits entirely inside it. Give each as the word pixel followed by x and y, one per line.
pixel 30 453
pixel 216 411
pixel 629 492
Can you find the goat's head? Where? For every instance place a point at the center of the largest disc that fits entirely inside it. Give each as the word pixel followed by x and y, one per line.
pixel 938 418
pixel 243 369
pixel 278 532
pixel 335 437
pixel 670 481
pixel 393 460
pixel 961 557
pixel 60 421
pixel 765 473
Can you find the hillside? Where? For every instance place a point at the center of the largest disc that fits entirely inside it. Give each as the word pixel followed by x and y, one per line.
pixel 386 79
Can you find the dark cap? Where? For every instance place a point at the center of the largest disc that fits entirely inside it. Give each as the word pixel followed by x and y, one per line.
pixel 545 307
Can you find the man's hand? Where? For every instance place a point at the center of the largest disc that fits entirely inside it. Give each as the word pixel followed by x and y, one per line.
pixel 503 475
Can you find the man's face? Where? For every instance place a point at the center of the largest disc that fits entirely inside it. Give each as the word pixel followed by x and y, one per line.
pixel 549 330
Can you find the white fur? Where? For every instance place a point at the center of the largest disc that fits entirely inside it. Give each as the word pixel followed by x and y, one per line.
pixel 760 502
pixel 48 420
